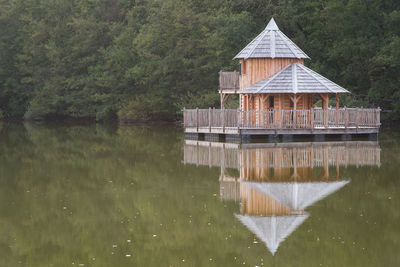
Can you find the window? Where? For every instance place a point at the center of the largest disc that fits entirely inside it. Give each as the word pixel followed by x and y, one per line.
pixel 291 103
pixel 271 101
pixel 240 68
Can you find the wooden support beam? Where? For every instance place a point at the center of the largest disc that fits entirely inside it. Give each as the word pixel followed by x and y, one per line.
pixel 325 100
pixel 337 108
pixel 264 97
pixel 225 98
pixel 294 99
pixel 209 119
pixel 337 101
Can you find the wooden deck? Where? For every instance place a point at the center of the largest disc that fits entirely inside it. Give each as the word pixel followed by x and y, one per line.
pixel 282 122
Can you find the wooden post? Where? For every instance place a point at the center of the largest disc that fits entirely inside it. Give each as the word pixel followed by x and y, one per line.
pixel 209 119
pixel 346 117
pixel 295 99
pixel 197 119
pixel 312 118
pixel 295 111
pixel 238 120
pixel 325 103
pixel 260 111
pixel 378 117
pixel 337 110
pixel 337 101
pixel 223 120
pixel 184 117
pixel 357 118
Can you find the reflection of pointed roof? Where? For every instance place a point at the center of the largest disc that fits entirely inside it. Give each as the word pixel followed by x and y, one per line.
pixel 271 43
pixel 272 230
pixel 295 78
pixel 298 196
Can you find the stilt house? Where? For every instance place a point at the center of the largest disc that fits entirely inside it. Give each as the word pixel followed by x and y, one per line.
pixel 276 93
pixel 273 76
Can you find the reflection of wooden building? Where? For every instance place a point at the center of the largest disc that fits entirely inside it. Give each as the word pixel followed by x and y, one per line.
pixel 281 155
pixel 284 198
pixel 273 210
pixel 275 183
pixel 290 162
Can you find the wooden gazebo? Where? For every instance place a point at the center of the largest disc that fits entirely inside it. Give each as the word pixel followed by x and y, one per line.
pixel 277 94
pixel 273 75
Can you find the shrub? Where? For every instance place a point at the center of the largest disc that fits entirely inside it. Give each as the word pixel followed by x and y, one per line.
pixel 145 108
pixel 134 110
pixel 107 113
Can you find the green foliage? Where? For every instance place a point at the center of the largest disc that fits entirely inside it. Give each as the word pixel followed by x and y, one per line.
pixel 135 110
pixel 1 115
pixel 144 108
pixel 87 59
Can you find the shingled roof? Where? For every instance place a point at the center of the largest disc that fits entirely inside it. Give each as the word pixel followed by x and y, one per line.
pixel 293 79
pixel 271 43
pixel 272 230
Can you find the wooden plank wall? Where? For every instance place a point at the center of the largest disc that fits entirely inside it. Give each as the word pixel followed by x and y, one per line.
pixel 258 69
pixel 281 101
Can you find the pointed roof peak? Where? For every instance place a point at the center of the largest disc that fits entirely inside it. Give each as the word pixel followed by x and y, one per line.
pixel 272 25
pixel 271 43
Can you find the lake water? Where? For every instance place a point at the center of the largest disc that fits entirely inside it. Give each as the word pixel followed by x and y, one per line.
pixel 144 196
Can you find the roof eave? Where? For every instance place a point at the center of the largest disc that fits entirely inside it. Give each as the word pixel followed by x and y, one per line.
pixel 243 57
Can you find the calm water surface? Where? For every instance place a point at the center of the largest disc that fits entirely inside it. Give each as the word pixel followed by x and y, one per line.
pixel 144 196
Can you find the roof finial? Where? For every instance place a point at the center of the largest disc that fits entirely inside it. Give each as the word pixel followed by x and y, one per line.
pixel 272 25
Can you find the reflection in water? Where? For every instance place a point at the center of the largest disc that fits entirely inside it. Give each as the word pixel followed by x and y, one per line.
pixel 275 183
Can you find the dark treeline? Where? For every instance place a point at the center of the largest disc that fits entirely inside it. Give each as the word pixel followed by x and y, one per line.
pixel 147 59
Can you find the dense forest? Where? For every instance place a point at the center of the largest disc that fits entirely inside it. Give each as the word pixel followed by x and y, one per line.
pixel 147 59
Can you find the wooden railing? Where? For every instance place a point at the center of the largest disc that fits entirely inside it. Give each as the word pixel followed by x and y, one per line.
pixel 229 80
pixel 283 119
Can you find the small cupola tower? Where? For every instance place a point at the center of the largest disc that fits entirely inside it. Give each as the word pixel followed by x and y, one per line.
pixel 268 53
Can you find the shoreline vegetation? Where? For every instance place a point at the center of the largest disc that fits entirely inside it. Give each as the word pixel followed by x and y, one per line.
pixel 143 61
pixel 179 122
